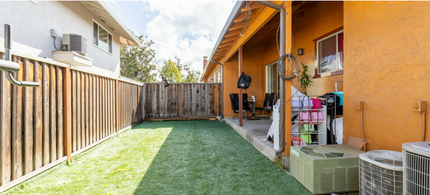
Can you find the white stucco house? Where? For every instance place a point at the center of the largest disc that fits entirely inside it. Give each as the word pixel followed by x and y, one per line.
pixel 35 24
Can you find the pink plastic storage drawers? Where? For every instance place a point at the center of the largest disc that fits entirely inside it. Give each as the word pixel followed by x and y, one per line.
pixel 314 117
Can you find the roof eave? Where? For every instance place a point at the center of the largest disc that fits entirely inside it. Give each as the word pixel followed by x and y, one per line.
pixel 126 34
pixel 234 13
pixel 132 36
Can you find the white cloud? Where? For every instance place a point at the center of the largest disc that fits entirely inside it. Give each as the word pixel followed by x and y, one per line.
pixel 187 30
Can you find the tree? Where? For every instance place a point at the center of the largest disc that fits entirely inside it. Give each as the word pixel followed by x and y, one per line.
pixel 137 62
pixel 177 72
pixel 192 76
pixel 171 71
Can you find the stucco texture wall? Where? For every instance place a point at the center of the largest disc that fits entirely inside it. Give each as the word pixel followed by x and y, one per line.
pixel 387 67
pixel 32 24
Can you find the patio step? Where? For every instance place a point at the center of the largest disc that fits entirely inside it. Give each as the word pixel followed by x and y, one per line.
pixel 255 133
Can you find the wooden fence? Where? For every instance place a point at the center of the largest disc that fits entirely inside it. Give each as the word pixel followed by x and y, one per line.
pixel 181 101
pixel 130 104
pixel 70 112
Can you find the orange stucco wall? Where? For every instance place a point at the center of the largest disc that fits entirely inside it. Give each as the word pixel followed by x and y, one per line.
pixel 387 61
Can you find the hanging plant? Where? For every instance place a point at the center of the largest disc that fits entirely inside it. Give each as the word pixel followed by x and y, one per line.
pixel 304 79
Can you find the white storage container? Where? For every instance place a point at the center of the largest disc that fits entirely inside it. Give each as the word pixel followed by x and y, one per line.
pixel 295 103
pixel 306 103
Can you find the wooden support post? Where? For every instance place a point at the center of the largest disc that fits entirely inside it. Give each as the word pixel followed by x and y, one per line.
pixel 117 106
pixel 240 90
pixel 288 33
pixel 67 113
pixel 180 101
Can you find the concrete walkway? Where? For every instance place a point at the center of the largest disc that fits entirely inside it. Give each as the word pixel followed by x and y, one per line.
pixel 255 131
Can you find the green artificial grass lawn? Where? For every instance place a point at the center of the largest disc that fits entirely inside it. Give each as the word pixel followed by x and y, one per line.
pixel 175 157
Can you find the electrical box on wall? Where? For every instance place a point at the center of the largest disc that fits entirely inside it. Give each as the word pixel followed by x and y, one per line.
pixel 420 106
pixel 359 105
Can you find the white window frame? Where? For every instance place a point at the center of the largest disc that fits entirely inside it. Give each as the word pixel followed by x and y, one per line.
pixel 92 35
pixel 269 68
pixel 339 67
pixel 218 77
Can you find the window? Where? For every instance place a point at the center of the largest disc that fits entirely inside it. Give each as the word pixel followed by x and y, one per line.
pixel 102 38
pixel 330 53
pixel 272 78
pixel 211 80
pixel 218 76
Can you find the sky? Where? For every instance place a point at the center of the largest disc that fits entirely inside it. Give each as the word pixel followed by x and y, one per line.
pixel 184 29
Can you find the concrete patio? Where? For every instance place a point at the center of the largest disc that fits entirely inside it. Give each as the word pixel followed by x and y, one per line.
pixel 255 131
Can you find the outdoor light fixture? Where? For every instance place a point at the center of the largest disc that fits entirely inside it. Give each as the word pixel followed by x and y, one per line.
pixel 300 52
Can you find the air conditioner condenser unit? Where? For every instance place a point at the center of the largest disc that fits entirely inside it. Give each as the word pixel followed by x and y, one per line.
pixel 76 43
pixel 416 168
pixel 325 169
pixel 381 173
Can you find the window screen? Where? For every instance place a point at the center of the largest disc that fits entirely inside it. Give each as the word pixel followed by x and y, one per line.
pixel 330 53
pixel 95 33
pixel 102 38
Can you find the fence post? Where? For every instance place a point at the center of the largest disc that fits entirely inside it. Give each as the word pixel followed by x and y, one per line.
pixel 117 106
pixel 67 113
pixel 180 101
pixel 137 105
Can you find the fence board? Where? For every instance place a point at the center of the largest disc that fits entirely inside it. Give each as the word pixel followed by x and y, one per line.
pixel 5 124
pixel 74 109
pixel 17 125
pixel 82 114
pixel 107 110
pixel 90 110
pixel 78 110
pixel 53 108
pixel 102 124
pixel 46 113
pixel 97 119
pixel 38 121
pixel 67 112
pixel 87 109
pixel 60 117
pixel 28 118
pixel 104 106
pixel 114 106
pixel 110 106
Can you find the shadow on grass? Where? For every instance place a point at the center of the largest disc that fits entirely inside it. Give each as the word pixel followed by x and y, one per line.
pixel 207 157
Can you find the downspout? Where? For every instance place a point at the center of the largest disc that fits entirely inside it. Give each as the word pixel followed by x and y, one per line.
pixel 222 87
pixel 282 85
